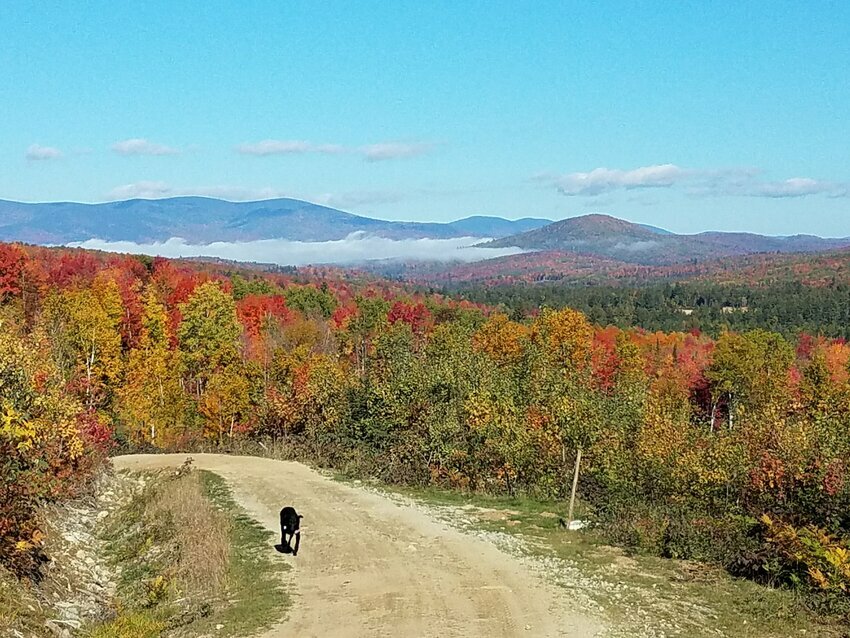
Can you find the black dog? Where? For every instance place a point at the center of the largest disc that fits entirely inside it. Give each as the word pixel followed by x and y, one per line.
pixel 290 526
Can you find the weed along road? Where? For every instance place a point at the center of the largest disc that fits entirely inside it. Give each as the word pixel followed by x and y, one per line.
pixel 371 566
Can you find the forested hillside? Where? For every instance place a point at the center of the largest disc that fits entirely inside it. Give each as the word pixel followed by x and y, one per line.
pixel 732 449
pixel 608 237
pixel 572 268
pixel 789 308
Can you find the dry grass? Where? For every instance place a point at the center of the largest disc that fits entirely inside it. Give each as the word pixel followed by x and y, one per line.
pixel 20 610
pixel 190 562
pixel 201 532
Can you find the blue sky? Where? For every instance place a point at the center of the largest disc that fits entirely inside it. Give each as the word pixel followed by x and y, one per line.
pixel 686 115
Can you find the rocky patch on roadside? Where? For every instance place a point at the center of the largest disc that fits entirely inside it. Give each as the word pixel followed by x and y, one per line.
pixel 79 584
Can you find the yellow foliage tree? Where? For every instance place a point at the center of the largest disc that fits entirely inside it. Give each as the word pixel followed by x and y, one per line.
pixel 566 337
pixel 82 326
pixel 151 402
pixel 225 403
pixel 502 340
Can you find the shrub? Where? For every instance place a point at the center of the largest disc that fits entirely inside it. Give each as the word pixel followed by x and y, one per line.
pixel 679 532
pixel 808 556
pixel 49 449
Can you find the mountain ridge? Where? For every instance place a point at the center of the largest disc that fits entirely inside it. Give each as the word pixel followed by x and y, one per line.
pixel 606 236
pixel 206 219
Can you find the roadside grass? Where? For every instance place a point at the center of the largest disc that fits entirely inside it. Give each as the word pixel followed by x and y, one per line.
pixel 638 593
pixel 20 609
pixel 190 562
pixel 256 596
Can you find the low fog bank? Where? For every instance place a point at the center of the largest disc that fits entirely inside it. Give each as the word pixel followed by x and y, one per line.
pixel 356 248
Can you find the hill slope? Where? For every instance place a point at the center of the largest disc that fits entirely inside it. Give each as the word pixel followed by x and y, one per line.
pixel 482 226
pixel 605 236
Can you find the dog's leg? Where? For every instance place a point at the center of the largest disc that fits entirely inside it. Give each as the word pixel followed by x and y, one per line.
pixel 297 542
pixel 284 542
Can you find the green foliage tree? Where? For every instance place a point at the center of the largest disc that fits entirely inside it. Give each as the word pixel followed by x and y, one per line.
pixel 310 300
pixel 750 371
pixel 208 335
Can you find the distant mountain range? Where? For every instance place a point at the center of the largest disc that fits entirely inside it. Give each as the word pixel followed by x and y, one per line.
pixel 202 220
pixel 609 237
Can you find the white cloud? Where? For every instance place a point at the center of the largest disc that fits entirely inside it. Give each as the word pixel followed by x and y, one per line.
pixel 159 190
pixel 36 152
pixel 358 247
pixel 370 152
pixel 606 180
pixel 141 190
pixel 275 147
pixel 354 199
pixel 394 150
pixel 140 146
pixel 330 149
pixel 746 182
pixel 794 187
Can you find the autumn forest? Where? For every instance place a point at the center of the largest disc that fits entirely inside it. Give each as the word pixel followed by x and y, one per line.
pixel 728 446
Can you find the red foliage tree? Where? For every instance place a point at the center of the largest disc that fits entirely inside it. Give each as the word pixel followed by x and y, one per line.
pixel 12 262
pixel 75 268
pixel 255 310
pixel 416 315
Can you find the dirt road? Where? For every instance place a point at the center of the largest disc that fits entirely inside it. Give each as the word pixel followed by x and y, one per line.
pixel 369 566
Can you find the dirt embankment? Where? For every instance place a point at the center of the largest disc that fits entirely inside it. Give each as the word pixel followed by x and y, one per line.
pixel 370 566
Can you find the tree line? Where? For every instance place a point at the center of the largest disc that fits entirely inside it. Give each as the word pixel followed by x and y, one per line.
pixel 789 308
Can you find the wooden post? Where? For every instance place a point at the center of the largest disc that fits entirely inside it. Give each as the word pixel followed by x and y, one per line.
pixel 573 491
